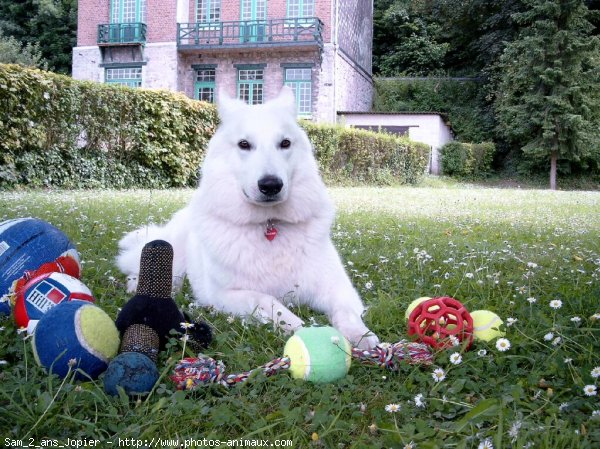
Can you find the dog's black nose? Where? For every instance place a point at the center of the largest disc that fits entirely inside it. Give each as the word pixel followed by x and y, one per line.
pixel 270 185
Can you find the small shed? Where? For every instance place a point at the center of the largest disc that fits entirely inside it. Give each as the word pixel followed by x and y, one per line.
pixel 430 128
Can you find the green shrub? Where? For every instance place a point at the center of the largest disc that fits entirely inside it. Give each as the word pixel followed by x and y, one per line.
pixel 349 156
pixel 55 131
pixel 467 160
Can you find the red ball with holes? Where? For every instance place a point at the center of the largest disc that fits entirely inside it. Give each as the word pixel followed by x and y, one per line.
pixel 434 321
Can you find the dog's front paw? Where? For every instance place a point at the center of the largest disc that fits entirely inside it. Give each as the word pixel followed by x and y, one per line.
pixel 361 338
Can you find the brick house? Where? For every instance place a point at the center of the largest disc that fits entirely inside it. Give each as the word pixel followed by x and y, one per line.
pixel 249 48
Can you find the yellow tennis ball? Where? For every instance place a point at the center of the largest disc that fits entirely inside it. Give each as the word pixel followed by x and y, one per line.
pixel 486 325
pixel 413 305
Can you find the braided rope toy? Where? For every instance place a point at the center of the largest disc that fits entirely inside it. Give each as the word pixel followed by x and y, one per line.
pixel 194 372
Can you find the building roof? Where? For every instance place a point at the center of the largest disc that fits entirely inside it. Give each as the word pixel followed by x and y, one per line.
pixel 443 115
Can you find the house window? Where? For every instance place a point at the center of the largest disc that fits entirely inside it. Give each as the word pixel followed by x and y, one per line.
pixel 208 11
pixel 204 88
pixel 300 80
pixel 127 11
pixel 124 76
pixel 250 85
pixel 300 8
pixel 254 9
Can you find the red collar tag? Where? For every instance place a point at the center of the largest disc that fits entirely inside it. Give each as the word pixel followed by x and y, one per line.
pixel 271 231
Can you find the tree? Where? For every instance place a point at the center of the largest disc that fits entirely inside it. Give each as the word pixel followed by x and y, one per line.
pixel 52 24
pixel 547 99
pixel 13 52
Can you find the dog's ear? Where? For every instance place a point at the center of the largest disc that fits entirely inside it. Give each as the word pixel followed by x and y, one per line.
pixel 227 105
pixel 285 101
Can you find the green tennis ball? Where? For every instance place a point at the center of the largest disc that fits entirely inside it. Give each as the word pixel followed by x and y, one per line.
pixel 318 354
pixel 486 324
pixel 412 306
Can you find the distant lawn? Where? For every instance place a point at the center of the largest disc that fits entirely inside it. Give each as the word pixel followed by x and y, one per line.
pixel 510 251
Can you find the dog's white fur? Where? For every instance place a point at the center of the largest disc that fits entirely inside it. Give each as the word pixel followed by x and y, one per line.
pixel 219 240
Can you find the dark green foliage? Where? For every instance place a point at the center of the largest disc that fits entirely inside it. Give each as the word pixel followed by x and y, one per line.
pixel 470 118
pixel 467 160
pixel 55 131
pixel 13 52
pixel 51 24
pixel 548 100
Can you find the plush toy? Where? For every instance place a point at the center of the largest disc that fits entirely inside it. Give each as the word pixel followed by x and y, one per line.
pixel 435 320
pixel 146 322
pixel 75 335
pixel 26 244
pixel 486 325
pixel 317 354
pixel 43 292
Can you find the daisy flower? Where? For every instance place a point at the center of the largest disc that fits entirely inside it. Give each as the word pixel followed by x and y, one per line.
pixel 596 372
pixel 531 300
pixel 455 358
pixel 482 353
pixel 392 408
pixel 438 374
pixel 590 390
pixel 556 304
pixel 562 407
pixel 185 325
pixel 503 344
pixel 576 319
pixel 549 336
pixel 511 321
pixel 486 444
pixel 420 401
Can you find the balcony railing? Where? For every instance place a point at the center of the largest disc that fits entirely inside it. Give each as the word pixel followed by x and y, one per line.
pixel 122 33
pixel 251 33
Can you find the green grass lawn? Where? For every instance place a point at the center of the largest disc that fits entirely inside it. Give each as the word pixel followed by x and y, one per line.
pixel 510 251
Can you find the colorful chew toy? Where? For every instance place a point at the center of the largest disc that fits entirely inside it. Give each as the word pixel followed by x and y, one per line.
pixel 316 354
pixel 145 323
pixel 26 244
pixel 75 335
pixel 435 320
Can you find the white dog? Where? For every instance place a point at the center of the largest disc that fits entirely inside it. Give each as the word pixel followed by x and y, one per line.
pixel 258 226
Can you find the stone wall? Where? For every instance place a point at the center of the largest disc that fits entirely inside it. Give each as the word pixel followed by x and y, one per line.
pixel 355 31
pixel 354 87
pixel 86 64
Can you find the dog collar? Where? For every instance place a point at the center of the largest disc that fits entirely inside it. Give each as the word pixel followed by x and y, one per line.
pixel 270 230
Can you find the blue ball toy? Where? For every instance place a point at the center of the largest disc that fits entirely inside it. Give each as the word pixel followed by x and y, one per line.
pixel 26 244
pixel 75 335
pixel 133 371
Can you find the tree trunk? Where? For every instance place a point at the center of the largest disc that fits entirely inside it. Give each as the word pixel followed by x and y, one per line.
pixel 553 159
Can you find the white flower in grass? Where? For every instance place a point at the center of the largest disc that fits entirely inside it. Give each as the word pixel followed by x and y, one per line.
pixel 420 401
pixel 556 304
pixel 568 360
pixel 510 321
pixel 556 341
pixel 454 340
pixel 503 344
pixel 596 372
pixel 469 275
pixel 531 300
pixel 549 336
pixel 595 413
pixel 438 374
pixel 186 325
pixel 392 408
pixel 456 358
pixel 576 319
pixel 590 390
pixel 369 285
pixel 411 445
pixel 562 407
pixel 486 444
pixel 595 316
pixel 482 353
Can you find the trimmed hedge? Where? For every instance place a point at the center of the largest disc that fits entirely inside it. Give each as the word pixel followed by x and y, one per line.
pixel 59 132
pixel 350 156
pixel 467 160
pixel 55 131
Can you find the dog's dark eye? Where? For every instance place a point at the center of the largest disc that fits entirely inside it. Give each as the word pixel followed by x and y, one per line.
pixel 285 143
pixel 244 144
